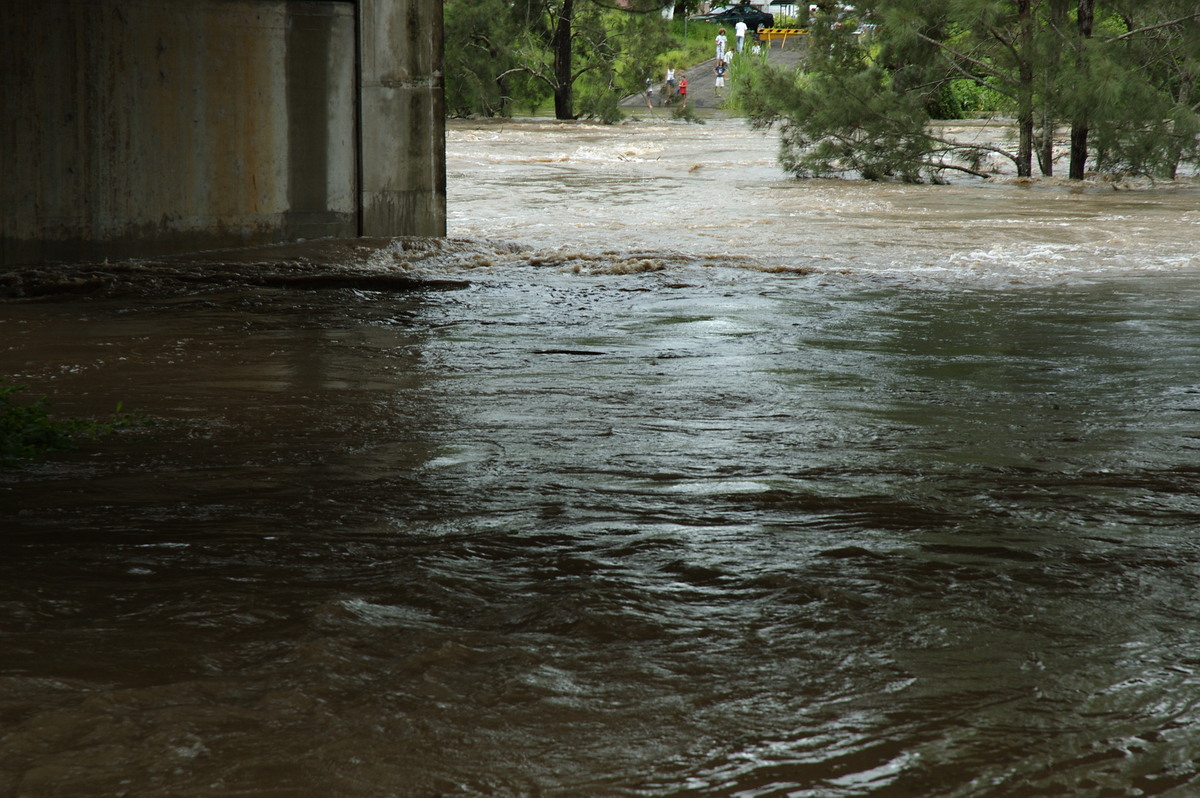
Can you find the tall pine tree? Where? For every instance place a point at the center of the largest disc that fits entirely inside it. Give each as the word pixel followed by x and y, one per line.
pixel 1120 74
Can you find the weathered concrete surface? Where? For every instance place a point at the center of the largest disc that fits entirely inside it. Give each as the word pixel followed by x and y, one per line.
pixel 142 127
pixel 403 118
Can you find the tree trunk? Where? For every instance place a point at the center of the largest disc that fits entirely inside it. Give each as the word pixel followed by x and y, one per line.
pixel 502 88
pixel 1058 21
pixel 1025 90
pixel 1183 100
pixel 1079 125
pixel 561 43
pixel 1045 142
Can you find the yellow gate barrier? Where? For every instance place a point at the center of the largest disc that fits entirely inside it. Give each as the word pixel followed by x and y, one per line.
pixel 769 35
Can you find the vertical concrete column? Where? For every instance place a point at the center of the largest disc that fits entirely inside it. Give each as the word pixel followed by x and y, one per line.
pixel 401 118
pixel 133 128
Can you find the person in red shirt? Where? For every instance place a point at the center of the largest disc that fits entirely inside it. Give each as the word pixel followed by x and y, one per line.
pixel 683 89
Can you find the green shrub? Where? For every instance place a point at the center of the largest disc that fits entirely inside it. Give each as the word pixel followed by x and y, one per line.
pixel 965 99
pixel 601 105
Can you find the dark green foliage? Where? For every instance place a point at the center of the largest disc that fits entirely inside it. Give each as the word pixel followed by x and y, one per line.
pixel 1140 81
pixel 27 430
pixel 945 104
pixel 841 114
pixel 482 60
pixel 1121 77
pixel 966 99
pixel 601 105
pixel 583 54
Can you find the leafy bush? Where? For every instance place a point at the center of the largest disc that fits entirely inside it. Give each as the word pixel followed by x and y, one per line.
pixel 977 100
pixel 602 106
pixel 966 99
pixel 27 430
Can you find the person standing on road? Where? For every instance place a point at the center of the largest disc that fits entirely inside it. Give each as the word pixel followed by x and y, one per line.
pixel 669 91
pixel 719 71
pixel 649 94
pixel 721 42
pixel 739 30
pixel 683 90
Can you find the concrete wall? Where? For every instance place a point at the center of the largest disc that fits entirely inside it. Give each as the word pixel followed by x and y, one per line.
pixel 142 127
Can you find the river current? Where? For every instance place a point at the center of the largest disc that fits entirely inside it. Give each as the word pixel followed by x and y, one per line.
pixel 664 475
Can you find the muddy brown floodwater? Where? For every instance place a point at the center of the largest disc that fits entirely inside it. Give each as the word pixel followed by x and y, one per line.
pixel 666 475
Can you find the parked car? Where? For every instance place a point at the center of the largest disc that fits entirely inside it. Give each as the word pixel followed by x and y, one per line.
pixel 753 18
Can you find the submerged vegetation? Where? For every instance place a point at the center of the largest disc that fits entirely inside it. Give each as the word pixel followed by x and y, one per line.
pixel 28 430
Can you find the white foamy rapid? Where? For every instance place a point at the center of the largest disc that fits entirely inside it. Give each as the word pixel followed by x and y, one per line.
pixel 713 194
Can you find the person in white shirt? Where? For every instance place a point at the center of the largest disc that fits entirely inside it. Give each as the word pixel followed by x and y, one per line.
pixel 721 42
pixel 739 30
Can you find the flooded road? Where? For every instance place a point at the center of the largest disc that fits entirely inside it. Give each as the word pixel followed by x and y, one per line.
pixel 671 476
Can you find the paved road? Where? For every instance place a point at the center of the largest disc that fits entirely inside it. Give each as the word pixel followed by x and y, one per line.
pixel 701 81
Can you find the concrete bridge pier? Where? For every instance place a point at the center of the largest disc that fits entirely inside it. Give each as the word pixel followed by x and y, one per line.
pixel 403 120
pixel 145 127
